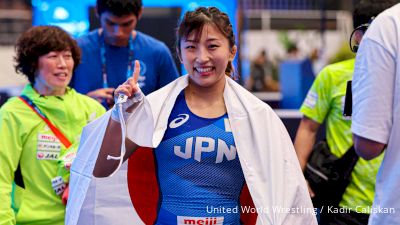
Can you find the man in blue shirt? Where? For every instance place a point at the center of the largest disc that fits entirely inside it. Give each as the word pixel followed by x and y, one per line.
pixel 108 53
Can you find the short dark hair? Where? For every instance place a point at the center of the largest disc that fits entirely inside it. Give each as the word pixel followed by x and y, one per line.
pixel 195 21
pixel 366 9
pixel 38 41
pixel 119 7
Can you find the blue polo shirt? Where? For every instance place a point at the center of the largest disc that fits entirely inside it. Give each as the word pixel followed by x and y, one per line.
pixel 156 64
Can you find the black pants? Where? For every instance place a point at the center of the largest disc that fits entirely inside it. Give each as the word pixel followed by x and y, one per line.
pixel 348 218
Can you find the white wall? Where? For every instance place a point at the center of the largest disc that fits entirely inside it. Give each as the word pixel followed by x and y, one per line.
pixel 10 81
pixel 255 41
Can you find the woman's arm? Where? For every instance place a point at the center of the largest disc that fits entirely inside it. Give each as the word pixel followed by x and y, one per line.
pixel 366 148
pixel 305 140
pixel 111 145
pixel 11 148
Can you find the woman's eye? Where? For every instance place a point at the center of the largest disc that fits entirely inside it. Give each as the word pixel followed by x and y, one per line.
pixel 190 47
pixel 213 46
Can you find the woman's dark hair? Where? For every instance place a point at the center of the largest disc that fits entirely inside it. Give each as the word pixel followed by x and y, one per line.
pixel 195 21
pixel 38 41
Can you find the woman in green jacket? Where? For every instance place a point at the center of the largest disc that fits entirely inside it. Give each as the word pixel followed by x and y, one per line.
pixel 39 127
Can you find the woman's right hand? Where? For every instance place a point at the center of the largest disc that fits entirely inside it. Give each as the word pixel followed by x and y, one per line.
pixel 112 139
pixel 130 86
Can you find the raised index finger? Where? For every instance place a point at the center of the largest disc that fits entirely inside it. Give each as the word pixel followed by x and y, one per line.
pixel 136 71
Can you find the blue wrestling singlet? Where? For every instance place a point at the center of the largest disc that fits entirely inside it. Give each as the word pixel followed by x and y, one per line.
pixel 198 170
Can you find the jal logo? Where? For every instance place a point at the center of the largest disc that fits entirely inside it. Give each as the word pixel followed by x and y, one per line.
pixel 40 155
pixel 52 156
pixel 60 189
pixel 47 155
pixel 184 220
pixel 179 121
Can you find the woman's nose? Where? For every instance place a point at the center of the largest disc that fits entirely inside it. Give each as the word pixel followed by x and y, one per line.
pixel 62 62
pixel 202 55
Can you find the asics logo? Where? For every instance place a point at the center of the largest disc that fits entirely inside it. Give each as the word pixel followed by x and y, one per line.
pixel 179 121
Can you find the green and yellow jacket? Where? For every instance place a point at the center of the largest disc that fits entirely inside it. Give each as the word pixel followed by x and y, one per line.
pixel 28 143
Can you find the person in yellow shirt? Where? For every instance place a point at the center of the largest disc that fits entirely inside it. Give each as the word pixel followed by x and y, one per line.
pixel 30 148
pixel 325 102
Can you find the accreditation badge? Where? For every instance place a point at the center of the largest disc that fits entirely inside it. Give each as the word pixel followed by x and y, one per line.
pixel 48 147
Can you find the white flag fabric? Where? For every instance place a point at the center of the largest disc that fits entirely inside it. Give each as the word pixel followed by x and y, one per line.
pixel 107 201
pixel 104 205
pixel 266 153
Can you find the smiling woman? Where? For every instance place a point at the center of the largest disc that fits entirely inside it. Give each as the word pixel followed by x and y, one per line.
pixel 54 73
pixel 45 50
pixel 206 55
pixel 211 139
pixel 40 129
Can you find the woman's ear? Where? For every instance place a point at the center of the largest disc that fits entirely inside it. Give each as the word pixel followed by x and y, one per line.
pixel 233 53
pixel 178 53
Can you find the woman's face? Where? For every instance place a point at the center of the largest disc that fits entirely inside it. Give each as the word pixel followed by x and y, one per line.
pixel 207 58
pixel 54 72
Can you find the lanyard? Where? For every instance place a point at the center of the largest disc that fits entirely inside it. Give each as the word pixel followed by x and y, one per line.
pixel 53 128
pixel 103 59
